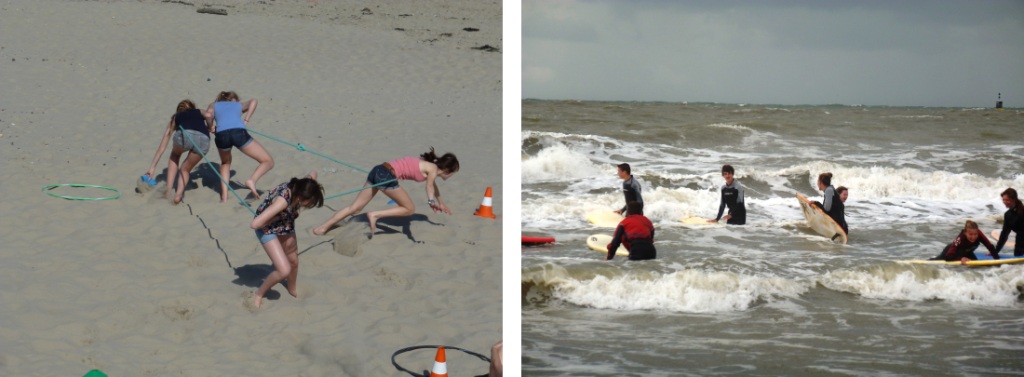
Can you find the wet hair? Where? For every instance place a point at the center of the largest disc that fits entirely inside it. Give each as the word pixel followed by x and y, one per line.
pixel 625 167
pixel 825 178
pixel 970 225
pixel 1017 205
pixel 447 162
pixel 185 104
pixel 306 190
pixel 728 169
pixel 227 96
pixel 840 190
pixel 634 208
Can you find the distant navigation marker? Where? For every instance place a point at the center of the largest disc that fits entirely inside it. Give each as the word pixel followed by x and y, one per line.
pixel 999 102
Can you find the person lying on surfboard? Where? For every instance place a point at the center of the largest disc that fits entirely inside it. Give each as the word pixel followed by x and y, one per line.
pixel 636 233
pixel 962 248
pixel 732 197
pixel 1013 220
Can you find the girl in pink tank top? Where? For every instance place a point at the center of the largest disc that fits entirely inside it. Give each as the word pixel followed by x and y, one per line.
pixel 384 177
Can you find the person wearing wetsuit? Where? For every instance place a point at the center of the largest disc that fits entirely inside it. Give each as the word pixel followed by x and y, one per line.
pixel 1013 220
pixel 635 233
pixel 832 205
pixel 962 248
pixel 732 197
pixel 842 192
pixel 630 187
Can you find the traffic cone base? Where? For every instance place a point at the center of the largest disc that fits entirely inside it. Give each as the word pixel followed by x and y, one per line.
pixel 485 209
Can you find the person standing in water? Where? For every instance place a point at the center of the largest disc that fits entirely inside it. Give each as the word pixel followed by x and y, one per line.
pixel 630 187
pixel 635 233
pixel 832 204
pixel 1013 220
pixel 843 193
pixel 732 197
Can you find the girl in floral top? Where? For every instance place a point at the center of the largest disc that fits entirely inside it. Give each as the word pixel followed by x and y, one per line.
pixel 275 227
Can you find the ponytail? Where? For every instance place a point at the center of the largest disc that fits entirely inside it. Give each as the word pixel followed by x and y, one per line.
pixel 447 162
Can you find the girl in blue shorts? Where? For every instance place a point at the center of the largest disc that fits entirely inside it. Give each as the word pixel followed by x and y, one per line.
pixel 229 118
pixel 275 228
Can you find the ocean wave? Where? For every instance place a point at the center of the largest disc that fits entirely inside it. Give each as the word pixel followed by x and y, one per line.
pixel 686 291
pixel 997 287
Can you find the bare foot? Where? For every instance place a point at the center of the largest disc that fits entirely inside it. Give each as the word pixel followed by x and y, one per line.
pixel 223 198
pixel 294 292
pixel 373 223
pixel 177 198
pixel 252 187
pixel 319 231
pixel 257 300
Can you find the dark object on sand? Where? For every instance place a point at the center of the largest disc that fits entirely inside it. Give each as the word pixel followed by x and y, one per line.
pixel 222 12
pixel 487 48
pixel 470 29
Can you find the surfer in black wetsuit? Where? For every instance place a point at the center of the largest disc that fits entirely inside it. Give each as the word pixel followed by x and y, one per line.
pixel 635 233
pixel 843 193
pixel 630 187
pixel 732 197
pixel 1013 220
pixel 962 248
pixel 832 204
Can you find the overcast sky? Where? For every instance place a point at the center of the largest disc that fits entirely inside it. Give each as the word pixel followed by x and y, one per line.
pixel 897 53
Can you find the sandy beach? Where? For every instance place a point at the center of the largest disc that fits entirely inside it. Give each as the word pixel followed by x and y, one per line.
pixel 136 286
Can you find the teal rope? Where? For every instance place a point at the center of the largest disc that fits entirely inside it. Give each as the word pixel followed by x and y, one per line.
pixel 359 189
pixel 304 149
pixel 226 183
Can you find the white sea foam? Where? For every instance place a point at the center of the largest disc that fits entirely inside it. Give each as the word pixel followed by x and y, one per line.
pixel 987 287
pixel 687 291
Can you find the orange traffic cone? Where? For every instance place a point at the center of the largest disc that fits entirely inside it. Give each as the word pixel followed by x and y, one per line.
pixel 440 368
pixel 485 206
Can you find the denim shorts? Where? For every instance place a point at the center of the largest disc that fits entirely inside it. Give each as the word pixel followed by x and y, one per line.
pixel 267 237
pixel 236 137
pixel 379 174
pixel 202 141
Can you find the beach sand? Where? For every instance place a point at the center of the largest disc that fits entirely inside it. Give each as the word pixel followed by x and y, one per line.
pixel 136 286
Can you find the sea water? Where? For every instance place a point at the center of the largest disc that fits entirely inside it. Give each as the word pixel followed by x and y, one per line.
pixel 771 297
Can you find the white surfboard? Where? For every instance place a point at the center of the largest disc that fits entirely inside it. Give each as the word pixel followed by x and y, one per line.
pixel 995 238
pixel 821 222
pixel 599 242
pixel 604 219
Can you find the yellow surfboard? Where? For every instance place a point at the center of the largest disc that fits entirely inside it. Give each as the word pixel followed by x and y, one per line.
pixel 821 222
pixel 983 260
pixel 599 242
pixel 604 219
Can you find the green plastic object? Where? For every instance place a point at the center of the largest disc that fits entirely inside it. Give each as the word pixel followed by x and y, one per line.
pixel 95 373
pixel 117 193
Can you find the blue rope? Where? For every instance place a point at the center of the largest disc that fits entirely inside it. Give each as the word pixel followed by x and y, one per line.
pixel 226 183
pixel 300 147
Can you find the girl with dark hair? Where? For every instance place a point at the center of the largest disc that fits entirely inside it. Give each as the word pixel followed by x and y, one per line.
pixel 274 224
pixel 1013 220
pixel 427 167
pixel 832 204
pixel 190 133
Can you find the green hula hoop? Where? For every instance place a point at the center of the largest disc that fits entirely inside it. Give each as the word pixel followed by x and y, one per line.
pixel 51 187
